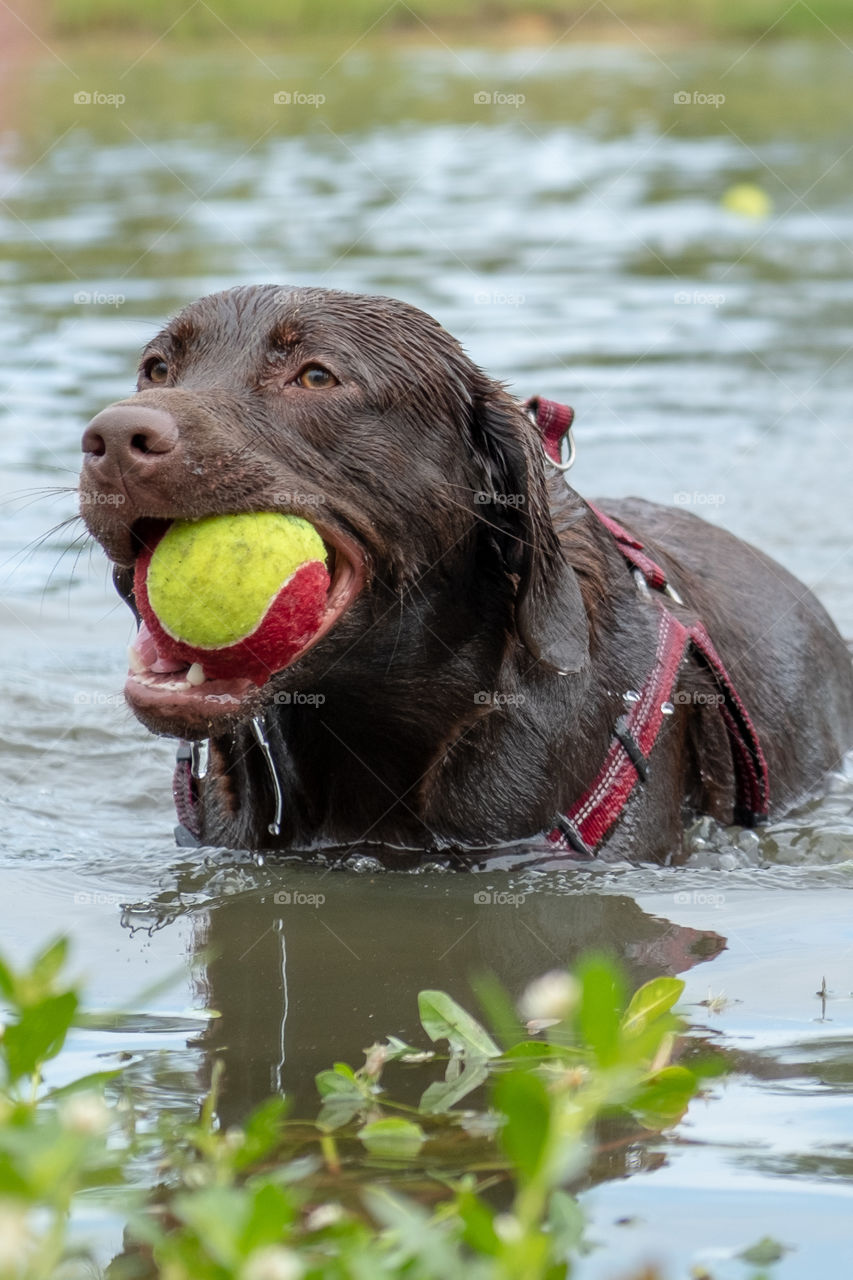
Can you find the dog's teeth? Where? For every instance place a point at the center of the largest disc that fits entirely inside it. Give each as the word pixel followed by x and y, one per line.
pixel 195 675
pixel 178 686
pixel 137 666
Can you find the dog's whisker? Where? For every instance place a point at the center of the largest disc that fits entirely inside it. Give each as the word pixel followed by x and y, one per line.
pixel 28 497
pixel 23 554
pixel 78 544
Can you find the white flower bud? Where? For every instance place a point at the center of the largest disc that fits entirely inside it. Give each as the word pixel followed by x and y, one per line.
pixel 550 998
pixel 15 1238
pixel 325 1215
pixel 507 1228
pixel 86 1114
pixel 273 1262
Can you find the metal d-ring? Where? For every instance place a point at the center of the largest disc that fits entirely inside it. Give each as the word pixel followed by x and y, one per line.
pixel 570 460
pixel 200 758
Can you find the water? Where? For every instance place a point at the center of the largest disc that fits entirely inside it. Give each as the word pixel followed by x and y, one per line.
pixel 577 244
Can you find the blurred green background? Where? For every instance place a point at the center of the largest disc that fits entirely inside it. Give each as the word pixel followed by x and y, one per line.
pixel 699 17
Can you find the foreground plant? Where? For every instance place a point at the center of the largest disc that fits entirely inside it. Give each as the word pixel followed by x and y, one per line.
pixel 373 1187
pixel 53 1142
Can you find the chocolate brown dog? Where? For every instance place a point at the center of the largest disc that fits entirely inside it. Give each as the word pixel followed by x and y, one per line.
pixel 496 657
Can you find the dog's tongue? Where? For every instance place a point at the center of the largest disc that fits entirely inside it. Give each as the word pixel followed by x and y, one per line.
pixel 144 650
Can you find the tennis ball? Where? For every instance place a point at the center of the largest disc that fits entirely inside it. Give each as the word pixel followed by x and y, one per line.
pixel 239 595
pixel 748 200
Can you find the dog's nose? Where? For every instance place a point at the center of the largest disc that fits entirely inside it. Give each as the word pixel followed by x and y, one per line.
pixel 127 434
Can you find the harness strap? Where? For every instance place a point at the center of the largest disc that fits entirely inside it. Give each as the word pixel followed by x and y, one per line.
pixel 752 796
pixel 633 551
pixel 626 764
pixel 590 818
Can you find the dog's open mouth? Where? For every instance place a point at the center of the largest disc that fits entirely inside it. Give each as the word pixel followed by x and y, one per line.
pixel 170 689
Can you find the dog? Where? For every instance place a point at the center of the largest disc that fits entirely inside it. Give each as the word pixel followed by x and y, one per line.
pixel 500 662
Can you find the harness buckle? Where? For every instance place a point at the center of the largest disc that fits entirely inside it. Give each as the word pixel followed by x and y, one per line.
pixel 632 748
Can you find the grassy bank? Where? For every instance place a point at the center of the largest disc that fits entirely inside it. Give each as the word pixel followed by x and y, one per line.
pixel 546 19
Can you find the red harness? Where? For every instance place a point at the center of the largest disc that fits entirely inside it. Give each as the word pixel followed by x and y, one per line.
pixel 587 824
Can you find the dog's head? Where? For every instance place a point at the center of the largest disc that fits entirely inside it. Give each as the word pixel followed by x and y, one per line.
pixel 364 416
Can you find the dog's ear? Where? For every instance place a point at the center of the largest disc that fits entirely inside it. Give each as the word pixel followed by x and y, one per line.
pixel 550 618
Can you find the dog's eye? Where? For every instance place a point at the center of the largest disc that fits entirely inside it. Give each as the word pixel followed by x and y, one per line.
pixel 155 369
pixel 314 376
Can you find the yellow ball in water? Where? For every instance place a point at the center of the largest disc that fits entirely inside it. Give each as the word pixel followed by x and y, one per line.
pixel 748 200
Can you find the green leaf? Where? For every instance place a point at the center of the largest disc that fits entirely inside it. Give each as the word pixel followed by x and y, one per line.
pixel 601 1005
pixel 662 1100
pixel 343 1096
pixel 478 1224
pixel 566 1223
pixel 393 1138
pixel 8 981
pixel 338 1082
pixel 649 1002
pixel 38 1035
pixel 47 966
pixel 443 1019
pixel 415 1235
pixel 441 1095
pixel 270 1214
pixel 398 1049
pixel 336 1112
pixel 531 1051
pixel 90 1083
pixel 764 1252
pixel 522 1097
pixel 498 1008
pixel 218 1216
pixel 262 1132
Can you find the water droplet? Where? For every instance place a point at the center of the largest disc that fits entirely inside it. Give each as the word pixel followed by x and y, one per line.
pixel 667 708
pixel 631 696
